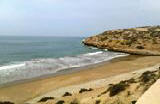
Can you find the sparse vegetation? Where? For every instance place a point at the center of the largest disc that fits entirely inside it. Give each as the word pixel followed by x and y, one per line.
pixel 133 102
pixel 44 99
pixel 85 90
pixel 129 81
pixel 117 88
pixel 128 93
pixel 140 47
pixel 67 94
pixel 147 76
pixel 103 93
pixel 98 101
pixel 114 89
pixel 60 102
pixel 6 102
pixel 154 41
pixel 129 43
pixel 103 38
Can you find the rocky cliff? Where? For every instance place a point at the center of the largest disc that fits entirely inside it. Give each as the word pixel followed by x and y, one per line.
pixel 140 41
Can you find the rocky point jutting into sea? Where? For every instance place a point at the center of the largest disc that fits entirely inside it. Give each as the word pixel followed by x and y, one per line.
pixel 140 40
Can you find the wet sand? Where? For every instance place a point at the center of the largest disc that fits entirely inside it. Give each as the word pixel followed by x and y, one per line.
pixel 25 91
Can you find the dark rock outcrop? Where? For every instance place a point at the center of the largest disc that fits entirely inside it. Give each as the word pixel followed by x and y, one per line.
pixel 139 41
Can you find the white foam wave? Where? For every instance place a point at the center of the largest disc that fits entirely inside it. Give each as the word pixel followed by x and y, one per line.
pixel 12 66
pixel 39 67
pixel 94 53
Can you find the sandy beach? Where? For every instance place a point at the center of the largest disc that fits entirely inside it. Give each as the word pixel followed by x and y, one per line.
pixel 79 52
pixel 26 91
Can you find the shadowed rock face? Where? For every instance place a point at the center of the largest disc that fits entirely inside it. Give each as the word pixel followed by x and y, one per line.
pixel 140 41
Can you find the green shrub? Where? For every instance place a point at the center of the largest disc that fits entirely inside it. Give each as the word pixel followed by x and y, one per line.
pixel 133 102
pixel 98 101
pixel 67 94
pixel 85 90
pixel 154 41
pixel 103 38
pixel 140 47
pixel 129 43
pixel 6 102
pixel 44 99
pixel 147 76
pixel 117 88
pixel 60 102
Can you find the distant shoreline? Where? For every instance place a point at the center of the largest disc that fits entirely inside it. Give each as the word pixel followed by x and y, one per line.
pixel 63 72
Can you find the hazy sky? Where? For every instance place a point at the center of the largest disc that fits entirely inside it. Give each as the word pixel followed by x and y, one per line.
pixel 74 17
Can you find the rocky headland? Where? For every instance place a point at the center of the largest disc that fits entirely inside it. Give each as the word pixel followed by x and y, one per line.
pixel 139 41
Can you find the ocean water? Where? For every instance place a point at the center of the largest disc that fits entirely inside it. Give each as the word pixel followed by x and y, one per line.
pixel 29 57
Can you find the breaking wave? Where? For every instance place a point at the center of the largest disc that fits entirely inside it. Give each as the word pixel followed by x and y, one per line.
pixel 40 67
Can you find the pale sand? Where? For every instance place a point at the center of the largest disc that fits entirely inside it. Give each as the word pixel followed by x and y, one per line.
pixel 96 84
pixel 151 96
pixel 26 91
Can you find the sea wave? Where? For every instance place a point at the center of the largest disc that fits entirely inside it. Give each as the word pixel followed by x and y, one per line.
pixel 94 53
pixel 12 66
pixel 40 67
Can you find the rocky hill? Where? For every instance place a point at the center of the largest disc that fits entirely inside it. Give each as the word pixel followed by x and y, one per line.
pixel 140 40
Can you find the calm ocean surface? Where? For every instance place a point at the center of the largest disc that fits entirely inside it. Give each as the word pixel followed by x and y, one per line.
pixel 29 57
pixel 17 49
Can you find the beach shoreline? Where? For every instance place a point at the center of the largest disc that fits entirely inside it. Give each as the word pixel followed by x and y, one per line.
pixel 41 68
pixel 36 87
pixel 67 71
